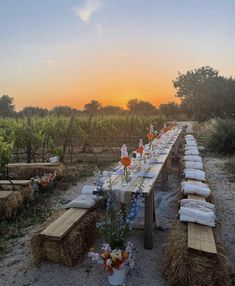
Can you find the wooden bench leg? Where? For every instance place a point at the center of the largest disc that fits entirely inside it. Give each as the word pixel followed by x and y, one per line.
pixel 148 220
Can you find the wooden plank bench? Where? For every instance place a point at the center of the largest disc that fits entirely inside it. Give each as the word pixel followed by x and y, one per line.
pixel 201 237
pixel 24 187
pixel 60 227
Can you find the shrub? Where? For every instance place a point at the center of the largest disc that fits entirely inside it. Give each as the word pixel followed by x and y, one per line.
pixel 221 136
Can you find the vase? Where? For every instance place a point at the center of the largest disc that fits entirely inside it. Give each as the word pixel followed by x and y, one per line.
pixel 125 177
pixel 118 277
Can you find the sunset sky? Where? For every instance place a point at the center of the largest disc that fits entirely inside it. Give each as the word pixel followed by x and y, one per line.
pixel 68 52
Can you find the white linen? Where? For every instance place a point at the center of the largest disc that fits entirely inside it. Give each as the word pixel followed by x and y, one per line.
pixel 190 148
pixel 198 216
pixel 191 143
pixel 195 174
pixel 193 165
pixel 82 201
pixel 197 188
pixel 196 204
pixel 193 158
pixel 88 190
pixel 191 152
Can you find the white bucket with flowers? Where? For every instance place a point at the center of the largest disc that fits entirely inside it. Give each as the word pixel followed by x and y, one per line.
pixel 116 262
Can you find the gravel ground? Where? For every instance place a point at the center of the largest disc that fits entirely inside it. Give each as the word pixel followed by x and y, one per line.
pixel 16 268
pixel 224 192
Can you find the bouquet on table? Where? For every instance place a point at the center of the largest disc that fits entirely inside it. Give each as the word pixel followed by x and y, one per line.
pixel 150 135
pixel 126 162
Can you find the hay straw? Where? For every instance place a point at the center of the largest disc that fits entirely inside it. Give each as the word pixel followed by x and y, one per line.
pixel 188 267
pixel 19 198
pixel 27 172
pixel 68 250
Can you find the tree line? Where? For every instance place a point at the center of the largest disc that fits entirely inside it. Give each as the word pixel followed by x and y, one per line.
pixel 203 92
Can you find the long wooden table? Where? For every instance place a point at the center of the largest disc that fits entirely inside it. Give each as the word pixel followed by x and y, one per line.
pixel 148 184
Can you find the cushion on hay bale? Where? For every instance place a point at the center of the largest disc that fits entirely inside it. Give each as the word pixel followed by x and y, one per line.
pixel 195 174
pixel 66 245
pixel 192 158
pixel 187 267
pixel 194 187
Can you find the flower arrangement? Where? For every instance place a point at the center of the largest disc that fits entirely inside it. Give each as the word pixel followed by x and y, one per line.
pixel 45 181
pixel 150 135
pixel 140 148
pixel 125 161
pixel 113 258
pixel 116 256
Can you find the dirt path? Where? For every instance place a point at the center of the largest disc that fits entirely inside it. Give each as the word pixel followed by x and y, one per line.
pixel 16 267
pixel 224 192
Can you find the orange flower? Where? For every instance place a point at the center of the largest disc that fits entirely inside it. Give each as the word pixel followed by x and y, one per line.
pixel 165 129
pixel 140 149
pixel 150 136
pixel 126 161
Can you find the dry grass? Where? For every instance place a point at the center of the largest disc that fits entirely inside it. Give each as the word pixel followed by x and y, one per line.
pixel 188 267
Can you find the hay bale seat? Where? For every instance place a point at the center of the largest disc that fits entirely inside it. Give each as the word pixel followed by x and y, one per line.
pixel 8 204
pixel 22 189
pixel 28 170
pixel 66 239
pixel 184 266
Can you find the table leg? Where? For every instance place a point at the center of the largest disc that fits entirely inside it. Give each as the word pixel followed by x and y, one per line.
pixel 164 172
pixel 176 147
pixel 169 164
pixel 148 221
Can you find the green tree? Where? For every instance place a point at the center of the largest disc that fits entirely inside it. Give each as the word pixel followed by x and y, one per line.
pixel 112 110
pixel 6 106
pixel 205 94
pixel 63 110
pixel 31 111
pixel 171 110
pixel 141 107
pixel 92 107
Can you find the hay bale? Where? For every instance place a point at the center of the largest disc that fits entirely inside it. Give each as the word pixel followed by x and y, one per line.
pixel 27 192
pixel 19 198
pixel 10 206
pixel 26 172
pixel 187 267
pixel 70 249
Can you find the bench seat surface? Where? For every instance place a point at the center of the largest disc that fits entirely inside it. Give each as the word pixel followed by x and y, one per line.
pixel 60 227
pixel 200 237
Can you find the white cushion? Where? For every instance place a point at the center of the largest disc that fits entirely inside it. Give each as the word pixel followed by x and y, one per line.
pixel 191 152
pixel 194 215
pixel 193 165
pixel 193 158
pixel 195 174
pixel 197 188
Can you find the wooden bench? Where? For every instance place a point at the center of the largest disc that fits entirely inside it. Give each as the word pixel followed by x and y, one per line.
pixel 200 237
pixel 23 187
pixel 67 238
